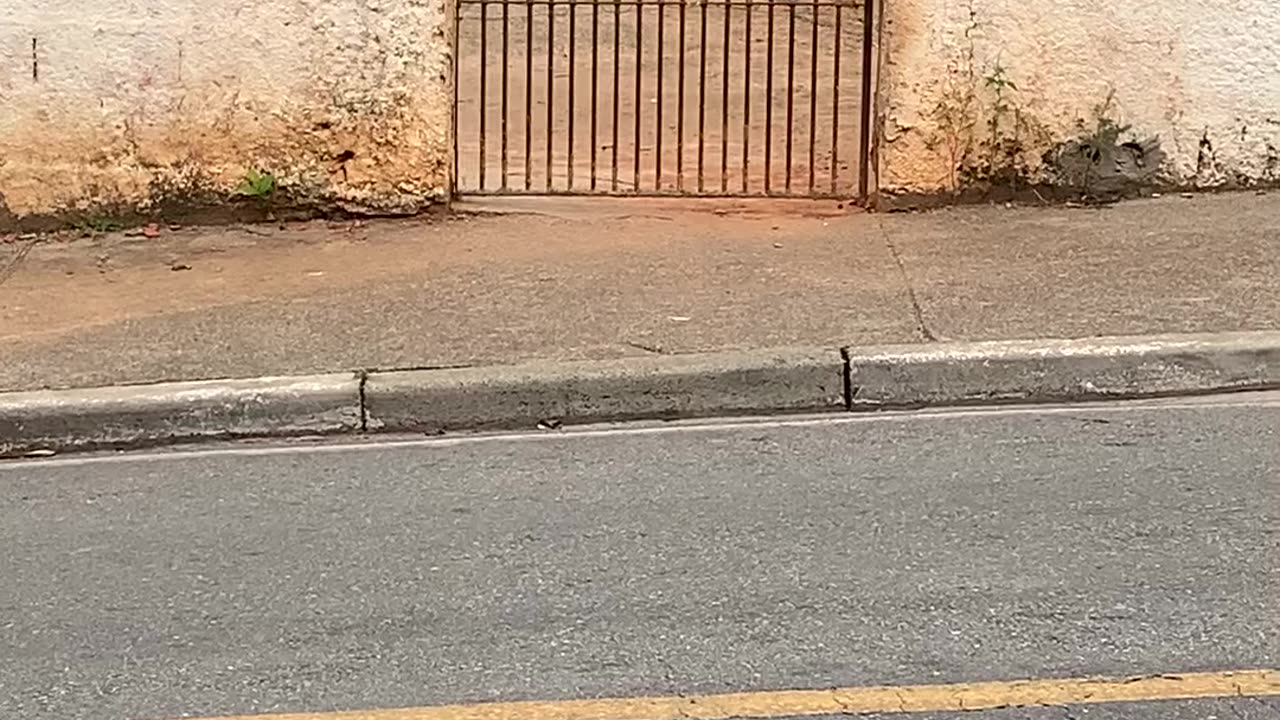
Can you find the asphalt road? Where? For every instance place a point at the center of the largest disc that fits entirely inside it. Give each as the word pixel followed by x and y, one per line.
pixel 893 549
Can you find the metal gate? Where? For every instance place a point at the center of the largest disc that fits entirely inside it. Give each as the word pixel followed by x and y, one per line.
pixel 663 97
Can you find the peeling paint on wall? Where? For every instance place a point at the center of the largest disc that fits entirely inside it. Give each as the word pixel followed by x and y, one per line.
pixel 138 107
pixel 1077 94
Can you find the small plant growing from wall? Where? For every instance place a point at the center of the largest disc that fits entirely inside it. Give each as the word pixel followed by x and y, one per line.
pixel 1104 158
pixel 955 118
pixel 1002 156
pixel 983 130
pixel 258 184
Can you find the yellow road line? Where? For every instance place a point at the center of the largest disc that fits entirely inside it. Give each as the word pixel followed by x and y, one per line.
pixel 848 700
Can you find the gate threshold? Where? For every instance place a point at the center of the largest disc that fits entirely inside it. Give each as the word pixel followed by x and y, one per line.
pixel 604 207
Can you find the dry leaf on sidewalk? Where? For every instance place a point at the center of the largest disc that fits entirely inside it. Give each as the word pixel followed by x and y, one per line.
pixel 150 230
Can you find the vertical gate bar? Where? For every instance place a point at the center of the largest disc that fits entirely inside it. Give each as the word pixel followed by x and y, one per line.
pixel 457 34
pixel 635 175
pixel 724 104
pixel 702 92
pixel 617 4
pixel 657 146
pixel 768 104
pixel 528 96
pixel 680 107
pixel 551 83
pixel 506 22
pixel 813 97
pixel 595 85
pixel 791 85
pixel 837 51
pixel 864 140
pixel 746 97
pixel 573 108
pixel 484 61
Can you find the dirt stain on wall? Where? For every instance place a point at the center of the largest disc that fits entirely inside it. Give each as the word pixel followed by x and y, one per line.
pixel 347 105
pixel 986 98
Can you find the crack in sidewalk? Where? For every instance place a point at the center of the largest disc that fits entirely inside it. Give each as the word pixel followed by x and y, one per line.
pixel 921 326
pixel 654 349
pixel 15 260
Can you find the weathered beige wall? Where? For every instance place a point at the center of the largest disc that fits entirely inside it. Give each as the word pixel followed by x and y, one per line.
pixel 1196 82
pixel 110 105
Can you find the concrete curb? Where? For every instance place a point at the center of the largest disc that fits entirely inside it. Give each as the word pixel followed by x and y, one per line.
pixel 1062 370
pixel 140 415
pixel 696 385
pixel 669 386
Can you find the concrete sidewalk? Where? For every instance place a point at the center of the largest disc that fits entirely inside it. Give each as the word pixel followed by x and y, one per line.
pixel 617 279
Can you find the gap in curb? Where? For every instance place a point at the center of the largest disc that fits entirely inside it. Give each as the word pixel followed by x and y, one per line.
pixel 363 377
pixel 846 378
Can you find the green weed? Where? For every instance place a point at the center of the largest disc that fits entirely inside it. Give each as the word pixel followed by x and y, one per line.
pixel 258 184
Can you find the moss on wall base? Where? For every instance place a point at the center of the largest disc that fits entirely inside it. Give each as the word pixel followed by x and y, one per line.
pixel 188 195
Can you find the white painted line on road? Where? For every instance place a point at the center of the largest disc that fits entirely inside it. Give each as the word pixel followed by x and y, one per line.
pixel 1266 399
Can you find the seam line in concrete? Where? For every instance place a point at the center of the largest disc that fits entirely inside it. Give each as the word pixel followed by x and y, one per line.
pixel 917 312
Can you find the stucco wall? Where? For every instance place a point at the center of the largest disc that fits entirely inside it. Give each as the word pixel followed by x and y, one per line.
pixel 1079 92
pixel 128 105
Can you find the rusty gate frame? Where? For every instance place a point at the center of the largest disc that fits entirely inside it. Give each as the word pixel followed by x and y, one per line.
pixel 867 116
